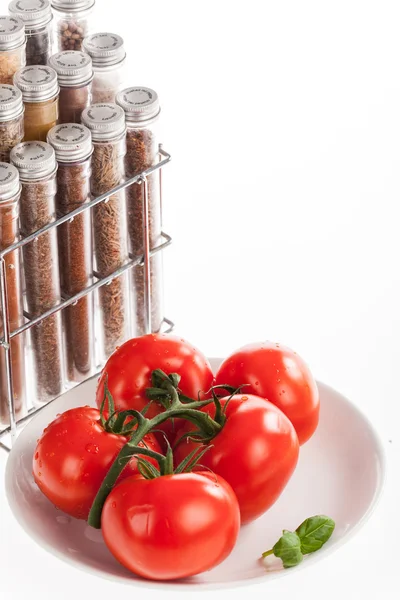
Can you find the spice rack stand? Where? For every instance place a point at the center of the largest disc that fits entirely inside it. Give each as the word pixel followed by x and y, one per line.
pixel 9 433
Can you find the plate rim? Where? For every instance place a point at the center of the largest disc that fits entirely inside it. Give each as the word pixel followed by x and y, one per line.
pixel 203 586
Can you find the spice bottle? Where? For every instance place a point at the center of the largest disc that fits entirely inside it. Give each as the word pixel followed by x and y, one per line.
pixel 12 47
pixel 37 167
pixel 142 110
pixel 75 75
pixel 73 22
pixel 107 124
pixel 73 146
pixel 11 119
pixel 37 16
pixel 10 191
pixel 109 59
pixel 40 92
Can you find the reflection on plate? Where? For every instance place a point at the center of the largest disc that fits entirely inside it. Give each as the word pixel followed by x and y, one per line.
pixel 340 474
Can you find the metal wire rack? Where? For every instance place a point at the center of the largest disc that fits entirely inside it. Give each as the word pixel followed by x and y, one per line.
pixel 9 433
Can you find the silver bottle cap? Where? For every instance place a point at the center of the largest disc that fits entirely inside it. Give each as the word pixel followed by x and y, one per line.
pixel 37 83
pixel 105 121
pixel 139 103
pixel 72 5
pixel 12 32
pixel 106 49
pixel 11 105
pixel 72 142
pixel 73 68
pixel 34 160
pixel 9 182
pixel 34 13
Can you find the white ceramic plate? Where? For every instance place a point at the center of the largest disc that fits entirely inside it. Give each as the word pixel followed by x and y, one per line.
pixel 340 474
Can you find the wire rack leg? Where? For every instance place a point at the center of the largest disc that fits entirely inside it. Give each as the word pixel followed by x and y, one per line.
pixel 7 348
pixel 146 256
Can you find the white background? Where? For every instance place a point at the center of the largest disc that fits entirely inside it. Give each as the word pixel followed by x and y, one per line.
pixel 283 119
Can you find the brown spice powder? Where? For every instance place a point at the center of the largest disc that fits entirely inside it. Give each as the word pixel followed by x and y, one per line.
pixel 8 235
pixel 110 242
pixel 75 256
pixel 42 284
pixel 141 153
pixel 72 102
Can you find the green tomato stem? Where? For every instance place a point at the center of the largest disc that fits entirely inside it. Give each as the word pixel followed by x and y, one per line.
pixel 267 553
pixel 124 456
pixel 189 411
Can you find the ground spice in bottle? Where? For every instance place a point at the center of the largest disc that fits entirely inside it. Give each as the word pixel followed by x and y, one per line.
pixel 12 47
pixel 75 75
pixel 37 17
pixel 73 22
pixel 73 147
pixel 40 91
pixel 109 62
pixel 9 232
pixel 37 169
pixel 142 110
pixel 107 124
pixel 11 120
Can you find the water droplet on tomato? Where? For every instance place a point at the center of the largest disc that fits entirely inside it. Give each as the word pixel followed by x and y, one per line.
pixel 283 391
pixel 256 383
pixel 114 505
pixel 92 448
pixel 36 455
pixel 40 464
pixel 245 398
pixel 39 474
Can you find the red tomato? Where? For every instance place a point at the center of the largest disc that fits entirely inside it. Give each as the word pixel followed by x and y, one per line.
pixel 172 526
pixel 73 456
pixel 130 367
pixel 256 452
pixel 281 376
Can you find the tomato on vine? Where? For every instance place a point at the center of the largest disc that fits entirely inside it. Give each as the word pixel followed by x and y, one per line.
pixel 73 456
pixel 256 450
pixel 128 373
pixel 171 526
pixel 281 376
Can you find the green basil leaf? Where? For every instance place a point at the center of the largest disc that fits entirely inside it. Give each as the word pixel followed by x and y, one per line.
pixel 314 532
pixel 288 549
